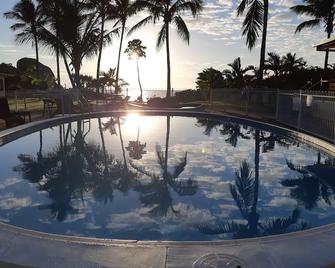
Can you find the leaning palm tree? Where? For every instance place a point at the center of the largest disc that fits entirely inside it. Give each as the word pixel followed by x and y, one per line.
pixel 169 11
pixel 245 195
pixel 135 50
pixel 320 12
pixel 255 21
pixel 29 20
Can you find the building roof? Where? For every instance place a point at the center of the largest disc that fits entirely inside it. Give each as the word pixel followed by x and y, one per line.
pixel 328 44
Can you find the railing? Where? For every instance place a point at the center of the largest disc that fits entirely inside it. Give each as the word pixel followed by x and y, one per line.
pixel 309 111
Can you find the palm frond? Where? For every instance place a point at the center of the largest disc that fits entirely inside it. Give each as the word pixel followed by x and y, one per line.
pixel 226 227
pixel 308 24
pixel 182 29
pixel 180 167
pixel 161 37
pixel 253 23
pixel 140 24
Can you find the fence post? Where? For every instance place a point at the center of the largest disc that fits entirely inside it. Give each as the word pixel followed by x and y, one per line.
pixel 277 105
pixel 15 100
pixel 62 99
pixel 300 109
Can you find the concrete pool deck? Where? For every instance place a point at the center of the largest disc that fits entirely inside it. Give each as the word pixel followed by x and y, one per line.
pixel 309 248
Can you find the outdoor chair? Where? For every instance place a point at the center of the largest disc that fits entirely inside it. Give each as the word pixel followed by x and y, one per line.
pixel 12 118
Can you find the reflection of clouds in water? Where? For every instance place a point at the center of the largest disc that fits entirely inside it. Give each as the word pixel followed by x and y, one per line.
pixel 140 219
pixel 9 202
pixel 8 182
pixel 282 202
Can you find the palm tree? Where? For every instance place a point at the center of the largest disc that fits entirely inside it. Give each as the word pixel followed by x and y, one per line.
pixel 274 63
pixel 234 132
pixel 322 12
pixel 109 79
pixel 245 195
pixel 169 12
pixel 50 11
pixel 136 148
pixel 292 63
pixel 208 80
pixel 255 21
pixel 122 11
pixel 237 72
pixel 77 36
pixel 29 21
pixel 137 51
pixel 105 11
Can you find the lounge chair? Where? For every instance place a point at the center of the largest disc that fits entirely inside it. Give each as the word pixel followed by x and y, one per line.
pixel 12 118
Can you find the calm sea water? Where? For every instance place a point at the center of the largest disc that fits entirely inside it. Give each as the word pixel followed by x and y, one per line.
pixel 134 93
pixel 164 178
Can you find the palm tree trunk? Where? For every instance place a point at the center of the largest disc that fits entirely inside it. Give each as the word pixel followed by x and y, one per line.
pixel 41 145
pixel 139 80
pixel 167 145
pixel 119 58
pixel 58 68
pixel 122 146
pixel 103 145
pixel 263 47
pixel 68 71
pixel 100 49
pixel 257 153
pixel 168 87
pixel 37 58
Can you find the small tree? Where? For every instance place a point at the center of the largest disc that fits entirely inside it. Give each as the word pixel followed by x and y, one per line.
pixel 135 50
pixel 207 80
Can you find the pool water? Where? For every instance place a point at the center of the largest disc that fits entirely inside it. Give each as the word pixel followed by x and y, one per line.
pixel 164 178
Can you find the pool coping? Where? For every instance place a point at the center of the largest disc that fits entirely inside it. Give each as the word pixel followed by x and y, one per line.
pixel 313 234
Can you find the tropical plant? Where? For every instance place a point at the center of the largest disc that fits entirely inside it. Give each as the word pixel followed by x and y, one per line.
pixel 255 21
pixel 235 75
pixel 109 79
pixel 135 50
pixel 274 63
pixel 320 12
pixel 245 195
pixel 208 80
pixel 136 148
pixel 291 63
pixel 233 131
pixel 169 11
pixel 29 21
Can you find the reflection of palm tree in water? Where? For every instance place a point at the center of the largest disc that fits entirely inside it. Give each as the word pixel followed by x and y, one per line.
pixel 136 148
pixel 72 170
pixel 316 182
pixel 245 195
pixel 157 192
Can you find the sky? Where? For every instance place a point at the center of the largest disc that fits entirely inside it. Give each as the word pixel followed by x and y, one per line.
pixel 216 41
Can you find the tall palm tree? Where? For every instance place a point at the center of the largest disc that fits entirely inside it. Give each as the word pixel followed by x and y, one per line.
pixel 237 72
pixel 122 11
pixel 255 21
pixel 77 36
pixel 29 21
pixel 169 11
pixel 136 50
pixel 322 12
pixel 51 11
pixel 105 11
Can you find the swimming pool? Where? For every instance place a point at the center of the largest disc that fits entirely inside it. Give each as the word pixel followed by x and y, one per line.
pixel 164 178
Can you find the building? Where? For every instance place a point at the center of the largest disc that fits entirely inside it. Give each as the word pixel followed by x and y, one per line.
pixel 3 85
